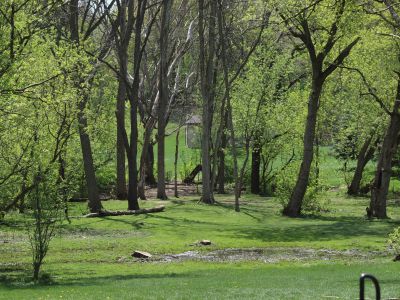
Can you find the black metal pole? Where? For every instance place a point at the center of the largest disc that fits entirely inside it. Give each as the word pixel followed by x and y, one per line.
pixel 362 286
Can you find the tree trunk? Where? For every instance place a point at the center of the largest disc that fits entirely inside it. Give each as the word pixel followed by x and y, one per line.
pixel 365 155
pixel 164 97
pixel 238 182
pixel 36 270
pixel 293 208
pixel 145 157
pixel 133 203
pixel 133 95
pixel 317 59
pixel 221 165
pixel 255 167
pixel 61 181
pixel 207 68
pixel 93 192
pixel 121 192
pixel 383 172
pixel 149 166
pixel 176 163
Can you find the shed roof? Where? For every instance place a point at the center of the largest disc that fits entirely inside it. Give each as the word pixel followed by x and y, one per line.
pixel 193 120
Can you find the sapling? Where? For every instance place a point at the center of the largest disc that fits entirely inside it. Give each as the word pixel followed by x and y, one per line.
pixel 46 206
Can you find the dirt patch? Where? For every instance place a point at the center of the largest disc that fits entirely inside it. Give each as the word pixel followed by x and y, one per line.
pixel 183 190
pixel 84 233
pixel 272 255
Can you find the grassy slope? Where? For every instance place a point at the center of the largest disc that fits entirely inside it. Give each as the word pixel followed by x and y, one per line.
pixel 212 281
pixel 83 261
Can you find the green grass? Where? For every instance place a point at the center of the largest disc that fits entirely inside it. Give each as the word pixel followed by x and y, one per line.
pixel 193 280
pixel 84 260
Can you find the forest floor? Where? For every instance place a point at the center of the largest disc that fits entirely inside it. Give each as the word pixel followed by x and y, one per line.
pixel 255 254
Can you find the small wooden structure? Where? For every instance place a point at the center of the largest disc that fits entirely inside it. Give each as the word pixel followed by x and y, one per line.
pixel 193 132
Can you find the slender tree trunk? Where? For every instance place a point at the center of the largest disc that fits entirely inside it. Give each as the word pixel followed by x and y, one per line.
pixel 207 68
pixel 293 208
pixel 93 192
pixel 365 155
pixel 133 95
pixel 238 184
pixel 149 166
pixel 380 186
pixel 21 204
pixel 145 157
pixel 255 167
pixel 61 181
pixel 36 270
pixel 133 203
pixel 221 164
pixel 164 96
pixel 161 161
pixel 121 191
pixel 176 163
pixel 238 178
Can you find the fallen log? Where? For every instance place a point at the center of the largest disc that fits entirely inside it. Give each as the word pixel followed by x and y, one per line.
pixel 107 213
pixel 190 178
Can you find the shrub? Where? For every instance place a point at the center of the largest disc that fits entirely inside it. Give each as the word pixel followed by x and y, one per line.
pixel 394 241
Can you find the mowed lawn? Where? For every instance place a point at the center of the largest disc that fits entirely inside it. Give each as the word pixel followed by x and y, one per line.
pixel 90 258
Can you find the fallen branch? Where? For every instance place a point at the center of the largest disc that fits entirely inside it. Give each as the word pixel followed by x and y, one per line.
pixel 106 213
pixel 190 178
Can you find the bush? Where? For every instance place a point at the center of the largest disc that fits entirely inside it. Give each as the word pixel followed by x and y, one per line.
pixel 394 241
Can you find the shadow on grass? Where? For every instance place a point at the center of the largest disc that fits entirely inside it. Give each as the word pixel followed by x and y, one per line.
pixel 23 280
pixel 137 224
pixel 336 229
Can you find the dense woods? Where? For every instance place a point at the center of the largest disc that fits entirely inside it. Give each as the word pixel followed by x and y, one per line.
pixel 188 102
pixel 90 90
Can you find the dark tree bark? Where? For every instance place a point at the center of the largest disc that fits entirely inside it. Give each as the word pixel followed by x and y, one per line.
pixel 366 153
pixel 149 166
pixel 164 96
pixel 94 202
pixel 176 163
pixel 144 158
pixel 190 178
pixel 121 191
pixel 238 179
pixel 380 186
pixel 207 69
pixel 319 75
pixel 136 22
pixel 255 167
pixel 123 27
pixel 293 209
pixel 221 164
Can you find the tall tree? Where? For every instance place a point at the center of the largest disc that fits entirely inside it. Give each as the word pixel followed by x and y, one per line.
pixel 123 28
pixel 380 186
pixel 83 84
pixel 207 89
pixel 300 27
pixel 164 97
